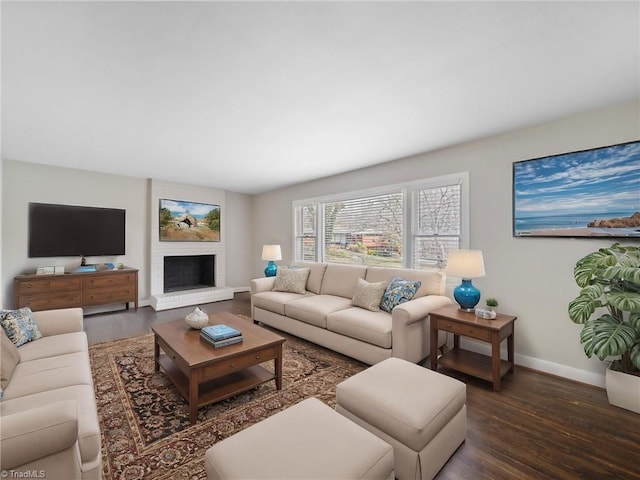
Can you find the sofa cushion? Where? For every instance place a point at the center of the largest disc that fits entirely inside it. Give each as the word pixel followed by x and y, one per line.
pixel 368 295
pixel 341 280
pixel 53 346
pixel 10 357
pixel 20 325
pixel 364 325
pixel 314 309
pixel 398 291
pixel 433 280
pixel 88 425
pixel 50 373
pixel 275 301
pixel 292 280
pixel 316 274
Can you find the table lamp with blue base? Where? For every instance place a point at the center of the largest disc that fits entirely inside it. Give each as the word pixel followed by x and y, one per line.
pixel 271 253
pixel 466 264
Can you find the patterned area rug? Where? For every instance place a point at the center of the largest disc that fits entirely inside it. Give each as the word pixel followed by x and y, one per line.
pixel 145 421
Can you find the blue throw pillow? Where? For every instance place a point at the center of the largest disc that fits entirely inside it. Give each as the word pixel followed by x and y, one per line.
pixel 398 291
pixel 20 325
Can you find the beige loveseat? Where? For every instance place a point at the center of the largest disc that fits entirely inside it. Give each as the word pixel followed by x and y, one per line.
pixel 48 418
pixel 323 314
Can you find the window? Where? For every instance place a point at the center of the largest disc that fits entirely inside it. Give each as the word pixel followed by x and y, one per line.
pixel 305 236
pixel 409 225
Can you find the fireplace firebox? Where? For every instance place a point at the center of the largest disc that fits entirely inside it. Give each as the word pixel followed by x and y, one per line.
pixel 188 272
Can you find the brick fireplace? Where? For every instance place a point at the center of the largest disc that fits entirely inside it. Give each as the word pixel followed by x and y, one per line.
pixel 201 265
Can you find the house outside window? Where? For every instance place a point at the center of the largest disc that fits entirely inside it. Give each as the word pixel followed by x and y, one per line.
pixel 411 225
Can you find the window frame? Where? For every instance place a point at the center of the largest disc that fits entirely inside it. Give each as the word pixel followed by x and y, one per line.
pixel 409 190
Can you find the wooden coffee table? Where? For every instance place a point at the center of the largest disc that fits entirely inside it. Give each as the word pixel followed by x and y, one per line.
pixel 204 374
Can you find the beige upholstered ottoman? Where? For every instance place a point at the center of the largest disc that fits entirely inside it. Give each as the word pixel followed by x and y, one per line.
pixel 421 413
pixel 306 441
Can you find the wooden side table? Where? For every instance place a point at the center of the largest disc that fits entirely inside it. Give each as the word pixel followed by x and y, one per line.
pixel 452 319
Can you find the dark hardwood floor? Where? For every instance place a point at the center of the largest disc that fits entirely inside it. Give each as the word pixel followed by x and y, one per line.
pixel 538 427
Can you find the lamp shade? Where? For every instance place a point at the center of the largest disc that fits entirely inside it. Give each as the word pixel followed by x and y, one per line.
pixel 271 252
pixel 465 263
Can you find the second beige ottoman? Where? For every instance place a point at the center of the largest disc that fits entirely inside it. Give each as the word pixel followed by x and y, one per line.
pixel 421 413
pixel 306 441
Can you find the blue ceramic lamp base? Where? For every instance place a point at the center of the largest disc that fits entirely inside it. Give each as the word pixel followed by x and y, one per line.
pixel 466 295
pixel 271 269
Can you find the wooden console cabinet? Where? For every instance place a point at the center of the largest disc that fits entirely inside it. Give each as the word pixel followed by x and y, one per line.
pixel 45 292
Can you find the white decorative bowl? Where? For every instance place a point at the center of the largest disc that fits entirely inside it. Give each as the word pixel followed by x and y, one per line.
pixel 197 319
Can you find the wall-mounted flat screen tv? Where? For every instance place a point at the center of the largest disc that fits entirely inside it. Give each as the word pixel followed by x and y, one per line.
pixel 589 193
pixel 70 230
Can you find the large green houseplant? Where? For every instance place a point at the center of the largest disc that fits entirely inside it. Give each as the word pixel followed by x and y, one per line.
pixel 610 279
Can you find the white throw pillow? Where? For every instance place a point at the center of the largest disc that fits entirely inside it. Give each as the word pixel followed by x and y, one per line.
pixel 368 295
pixel 292 280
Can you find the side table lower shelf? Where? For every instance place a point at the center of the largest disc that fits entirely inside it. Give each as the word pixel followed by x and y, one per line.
pixel 472 363
pixel 453 320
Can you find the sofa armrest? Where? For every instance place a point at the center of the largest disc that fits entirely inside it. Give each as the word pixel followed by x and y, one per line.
pixel 263 284
pixel 37 433
pixel 57 322
pixel 417 310
pixel 410 327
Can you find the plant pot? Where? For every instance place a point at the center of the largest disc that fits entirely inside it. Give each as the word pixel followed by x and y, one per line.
pixel 623 390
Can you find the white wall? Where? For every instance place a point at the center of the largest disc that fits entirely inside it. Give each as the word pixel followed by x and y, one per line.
pixel 239 225
pixel 532 277
pixel 24 182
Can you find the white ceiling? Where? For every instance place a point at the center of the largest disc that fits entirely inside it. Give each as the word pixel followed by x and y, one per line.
pixel 251 97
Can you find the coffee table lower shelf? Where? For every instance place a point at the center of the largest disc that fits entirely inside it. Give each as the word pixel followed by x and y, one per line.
pixel 220 388
pixel 472 363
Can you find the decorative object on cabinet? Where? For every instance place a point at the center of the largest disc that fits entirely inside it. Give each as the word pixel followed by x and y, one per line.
pixel 491 303
pixel 466 264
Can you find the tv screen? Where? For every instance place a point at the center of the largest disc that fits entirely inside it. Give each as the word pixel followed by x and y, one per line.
pixel 69 230
pixel 584 194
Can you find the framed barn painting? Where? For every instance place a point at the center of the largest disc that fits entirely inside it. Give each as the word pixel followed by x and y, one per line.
pixel 182 221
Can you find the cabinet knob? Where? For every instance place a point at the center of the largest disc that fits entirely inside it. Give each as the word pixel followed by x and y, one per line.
pixel 231 365
pixel 29 286
pixel 258 356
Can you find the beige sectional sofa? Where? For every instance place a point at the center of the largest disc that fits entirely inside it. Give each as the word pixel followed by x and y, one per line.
pixel 48 418
pixel 323 314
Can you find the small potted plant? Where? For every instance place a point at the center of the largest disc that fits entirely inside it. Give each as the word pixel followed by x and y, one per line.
pixel 492 303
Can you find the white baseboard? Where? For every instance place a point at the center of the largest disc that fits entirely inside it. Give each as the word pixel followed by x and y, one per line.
pixel 241 289
pixel 583 376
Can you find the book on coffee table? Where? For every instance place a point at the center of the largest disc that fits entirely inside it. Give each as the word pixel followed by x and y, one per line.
pixel 222 343
pixel 220 332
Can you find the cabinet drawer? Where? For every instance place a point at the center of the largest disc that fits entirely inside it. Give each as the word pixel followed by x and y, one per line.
pixel 112 295
pixel 47 285
pixel 46 302
pixel 462 329
pixel 110 280
pixel 227 366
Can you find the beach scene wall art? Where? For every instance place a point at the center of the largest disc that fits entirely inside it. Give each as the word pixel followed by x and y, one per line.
pixel 182 221
pixel 588 193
